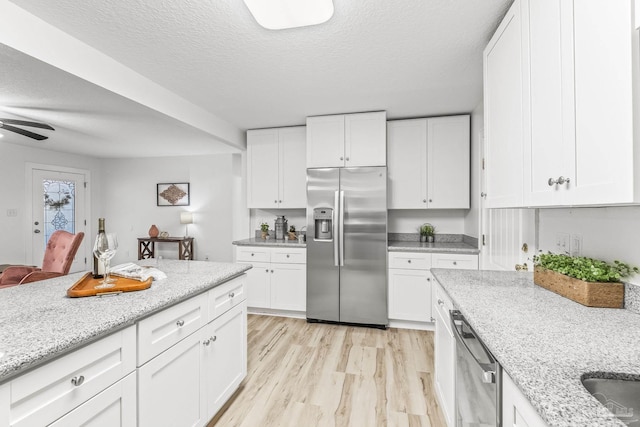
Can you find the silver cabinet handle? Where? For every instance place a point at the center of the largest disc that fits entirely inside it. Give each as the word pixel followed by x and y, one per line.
pixel 232 294
pixel 275 201
pixel 562 180
pixel 409 261
pixel 428 279
pixel 180 323
pixel 206 342
pixel 347 159
pixel 483 194
pixel 424 200
pixel 252 254
pixel 455 262
pixel 440 302
pixel 36 231
pixel 551 182
pixel 279 201
pixel 430 201
pixel 287 255
pixel 213 338
pixel 341 158
pixel 77 381
pixel 272 271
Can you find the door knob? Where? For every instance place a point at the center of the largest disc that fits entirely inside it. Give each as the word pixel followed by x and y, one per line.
pixel 36 231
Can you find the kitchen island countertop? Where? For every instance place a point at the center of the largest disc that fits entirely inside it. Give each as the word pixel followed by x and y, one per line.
pixel 546 342
pixel 38 322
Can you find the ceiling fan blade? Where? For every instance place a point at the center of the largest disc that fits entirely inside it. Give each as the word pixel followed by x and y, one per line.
pixel 26 123
pixel 23 132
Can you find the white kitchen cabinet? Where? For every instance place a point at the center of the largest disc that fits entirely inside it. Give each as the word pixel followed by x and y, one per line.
pixel 505 105
pixel 114 407
pixel 5 404
pixel 276 170
pixel 288 287
pixel 43 395
pixel 517 411
pixel 171 389
pixel 429 163
pixel 410 295
pixel 347 140
pixel 280 283
pixel 559 105
pixel 410 282
pixel 445 355
pixel 225 357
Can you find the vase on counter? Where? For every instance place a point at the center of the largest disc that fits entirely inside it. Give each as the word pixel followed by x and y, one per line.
pixel 153 231
pixel 264 235
pixel 431 238
pixel 423 238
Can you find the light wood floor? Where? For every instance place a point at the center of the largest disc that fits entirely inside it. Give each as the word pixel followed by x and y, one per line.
pixel 305 375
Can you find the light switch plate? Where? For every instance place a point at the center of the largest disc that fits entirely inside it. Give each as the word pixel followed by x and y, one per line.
pixel 12 212
pixel 562 243
pixel 576 245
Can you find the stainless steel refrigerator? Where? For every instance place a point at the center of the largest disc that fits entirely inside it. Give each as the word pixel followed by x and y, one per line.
pixel 347 245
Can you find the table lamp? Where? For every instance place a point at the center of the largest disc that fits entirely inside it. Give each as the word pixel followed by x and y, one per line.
pixel 186 218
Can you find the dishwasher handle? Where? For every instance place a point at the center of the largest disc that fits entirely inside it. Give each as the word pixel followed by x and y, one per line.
pixel 488 369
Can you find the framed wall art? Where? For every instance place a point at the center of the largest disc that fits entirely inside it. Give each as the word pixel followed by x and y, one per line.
pixel 173 194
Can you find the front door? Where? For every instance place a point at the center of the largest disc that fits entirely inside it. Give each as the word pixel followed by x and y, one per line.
pixel 58 203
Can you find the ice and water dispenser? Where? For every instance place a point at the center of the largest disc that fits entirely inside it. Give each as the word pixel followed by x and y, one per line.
pixel 323 221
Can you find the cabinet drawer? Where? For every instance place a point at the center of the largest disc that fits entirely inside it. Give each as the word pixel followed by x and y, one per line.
pixel 253 254
pixel 289 255
pixel 410 260
pixel 162 330
pixel 455 261
pixel 227 295
pixel 43 395
pixel 443 305
pixel 114 407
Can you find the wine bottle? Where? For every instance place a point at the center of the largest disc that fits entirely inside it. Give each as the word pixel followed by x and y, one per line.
pixel 98 265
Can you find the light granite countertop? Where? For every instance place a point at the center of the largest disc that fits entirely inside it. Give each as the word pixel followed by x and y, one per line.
pixel 273 243
pixel 436 247
pixel 546 342
pixel 394 246
pixel 38 322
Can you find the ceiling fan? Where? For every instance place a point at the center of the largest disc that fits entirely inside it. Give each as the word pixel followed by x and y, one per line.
pixel 7 125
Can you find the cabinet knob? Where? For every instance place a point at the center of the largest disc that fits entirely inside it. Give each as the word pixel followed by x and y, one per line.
pixel 428 279
pixel 440 302
pixel 455 262
pixel 77 381
pixel 424 200
pixel 563 180
pixel 551 182
pixel 287 255
pixel 232 294
pixel 483 194
pixel 180 323
pixel 409 261
pixel 206 342
pixel 252 254
pixel 279 201
pixel 347 159
pixel 275 201
pixel 272 271
pixel 267 270
pixel 430 201
pixel 213 338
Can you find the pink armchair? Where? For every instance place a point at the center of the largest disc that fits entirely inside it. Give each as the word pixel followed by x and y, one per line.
pixel 58 257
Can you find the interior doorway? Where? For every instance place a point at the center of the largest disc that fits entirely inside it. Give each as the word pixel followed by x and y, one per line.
pixel 58 201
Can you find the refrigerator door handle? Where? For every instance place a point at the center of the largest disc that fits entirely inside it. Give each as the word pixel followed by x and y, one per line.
pixel 341 228
pixel 336 247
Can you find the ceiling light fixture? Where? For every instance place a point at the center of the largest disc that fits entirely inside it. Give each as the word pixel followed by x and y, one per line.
pixel 281 14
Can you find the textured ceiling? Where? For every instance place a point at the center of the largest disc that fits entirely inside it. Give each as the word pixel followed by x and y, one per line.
pixel 88 119
pixel 409 57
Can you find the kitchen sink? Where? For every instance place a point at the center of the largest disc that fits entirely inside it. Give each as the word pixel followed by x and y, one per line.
pixel 620 396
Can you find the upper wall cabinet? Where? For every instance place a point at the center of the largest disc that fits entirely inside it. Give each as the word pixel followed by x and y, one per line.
pixel 276 172
pixel 347 140
pixel 429 163
pixel 573 134
pixel 504 93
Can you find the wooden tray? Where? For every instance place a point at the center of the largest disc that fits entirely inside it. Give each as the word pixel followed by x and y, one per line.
pixel 86 286
pixel 591 294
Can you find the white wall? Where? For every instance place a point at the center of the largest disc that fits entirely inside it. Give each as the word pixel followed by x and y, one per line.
pixel 611 233
pixel 297 217
pixel 446 221
pixel 13 159
pixel 130 189
pixel 472 218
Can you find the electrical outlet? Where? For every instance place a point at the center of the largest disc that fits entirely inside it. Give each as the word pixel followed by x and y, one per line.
pixel 12 212
pixel 562 243
pixel 576 245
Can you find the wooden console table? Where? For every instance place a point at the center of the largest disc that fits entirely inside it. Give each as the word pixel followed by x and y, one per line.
pixel 147 246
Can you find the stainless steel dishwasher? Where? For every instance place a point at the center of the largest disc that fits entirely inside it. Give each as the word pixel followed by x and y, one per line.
pixel 478 378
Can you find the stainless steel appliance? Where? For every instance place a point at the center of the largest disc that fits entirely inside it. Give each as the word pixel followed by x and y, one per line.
pixel 347 245
pixel 478 378
pixel 281 227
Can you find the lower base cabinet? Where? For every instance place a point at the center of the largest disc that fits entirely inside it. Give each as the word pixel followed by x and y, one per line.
pixel 114 407
pixel 517 411
pixel 445 356
pixel 188 383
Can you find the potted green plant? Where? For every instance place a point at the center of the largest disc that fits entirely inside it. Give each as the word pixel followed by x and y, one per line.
pixel 588 281
pixel 427 232
pixel 264 228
